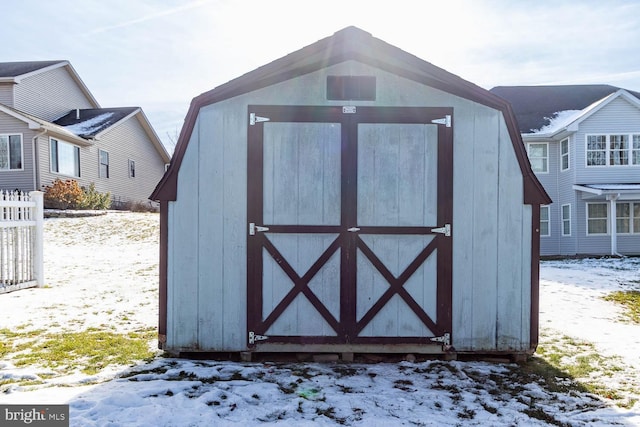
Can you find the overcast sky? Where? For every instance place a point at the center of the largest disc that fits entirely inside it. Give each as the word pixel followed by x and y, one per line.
pixel 159 54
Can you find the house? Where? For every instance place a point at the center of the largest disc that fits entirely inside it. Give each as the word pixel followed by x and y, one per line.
pixel 583 143
pixel 347 198
pixel 52 127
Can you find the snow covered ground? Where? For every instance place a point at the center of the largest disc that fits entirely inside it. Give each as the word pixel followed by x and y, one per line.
pixel 101 273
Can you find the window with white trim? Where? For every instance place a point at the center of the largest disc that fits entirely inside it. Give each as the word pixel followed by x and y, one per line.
pixel 635 150
pixel 10 152
pixel 628 218
pixel 597 218
pixel 545 229
pixel 538 156
pixel 596 150
pixel 613 150
pixel 132 168
pixel 566 220
pixel 564 154
pixel 65 158
pixel 104 163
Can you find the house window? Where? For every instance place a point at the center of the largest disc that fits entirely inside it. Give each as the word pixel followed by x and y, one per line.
pixel 539 157
pixel 628 218
pixel 566 220
pixel 65 158
pixel 597 218
pixel 544 221
pixel 613 150
pixel 10 152
pixel 635 150
pixel 132 168
pixel 619 150
pixel 104 163
pixel 623 218
pixel 564 154
pixel 596 150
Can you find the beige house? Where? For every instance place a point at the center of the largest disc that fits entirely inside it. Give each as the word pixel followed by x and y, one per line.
pixel 52 127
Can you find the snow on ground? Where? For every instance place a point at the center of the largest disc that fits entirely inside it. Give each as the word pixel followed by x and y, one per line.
pixel 101 272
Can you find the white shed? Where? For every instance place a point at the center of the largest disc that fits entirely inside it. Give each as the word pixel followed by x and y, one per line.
pixel 349 198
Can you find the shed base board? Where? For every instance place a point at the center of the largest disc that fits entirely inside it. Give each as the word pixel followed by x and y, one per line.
pixel 349 348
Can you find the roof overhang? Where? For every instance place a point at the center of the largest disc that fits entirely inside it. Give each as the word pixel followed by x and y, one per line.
pixel 609 191
pixel 51 128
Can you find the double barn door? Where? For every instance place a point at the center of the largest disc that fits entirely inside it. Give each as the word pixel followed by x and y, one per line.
pixel 349 234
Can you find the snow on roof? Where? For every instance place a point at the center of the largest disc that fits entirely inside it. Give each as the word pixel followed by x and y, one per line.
pixel 90 126
pixel 557 121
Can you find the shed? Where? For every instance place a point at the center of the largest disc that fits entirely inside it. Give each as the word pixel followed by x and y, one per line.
pixel 349 198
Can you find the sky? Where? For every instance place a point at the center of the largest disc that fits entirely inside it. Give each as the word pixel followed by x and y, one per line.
pixel 160 54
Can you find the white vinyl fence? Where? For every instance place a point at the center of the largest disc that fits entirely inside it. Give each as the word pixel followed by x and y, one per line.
pixel 21 235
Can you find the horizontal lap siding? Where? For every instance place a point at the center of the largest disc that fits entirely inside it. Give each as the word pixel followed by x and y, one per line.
pixel 50 95
pixel 123 142
pixel 6 94
pixel 207 258
pixel 619 116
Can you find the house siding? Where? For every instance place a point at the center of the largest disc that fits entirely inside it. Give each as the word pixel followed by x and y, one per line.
pixel 125 141
pixel 619 116
pixel 207 266
pixel 6 94
pixel 22 180
pixel 50 95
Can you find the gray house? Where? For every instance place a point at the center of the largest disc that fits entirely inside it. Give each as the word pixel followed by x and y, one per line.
pixel 347 198
pixel 52 127
pixel 583 143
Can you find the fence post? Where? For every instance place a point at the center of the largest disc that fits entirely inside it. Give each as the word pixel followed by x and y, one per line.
pixel 38 258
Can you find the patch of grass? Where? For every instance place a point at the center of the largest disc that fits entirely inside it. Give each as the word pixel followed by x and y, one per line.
pixel 630 300
pixel 89 351
pixel 567 365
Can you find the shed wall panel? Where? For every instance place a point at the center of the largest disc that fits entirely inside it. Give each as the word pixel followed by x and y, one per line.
pixel 182 280
pixel 513 289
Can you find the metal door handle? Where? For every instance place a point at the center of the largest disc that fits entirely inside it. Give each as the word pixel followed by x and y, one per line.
pixel 353 229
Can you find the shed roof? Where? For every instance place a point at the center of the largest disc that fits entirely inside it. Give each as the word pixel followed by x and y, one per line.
pixel 536 106
pixel 350 43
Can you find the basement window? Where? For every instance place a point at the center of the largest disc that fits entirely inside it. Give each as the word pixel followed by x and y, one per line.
pixel 351 88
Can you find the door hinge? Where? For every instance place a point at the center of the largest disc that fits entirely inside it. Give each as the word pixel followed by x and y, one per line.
pixel 444 339
pixel 253 337
pixel 253 229
pixel 446 230
pixel 446 120
pixel 253 119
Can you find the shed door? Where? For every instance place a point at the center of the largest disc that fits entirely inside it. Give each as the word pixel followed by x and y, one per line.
pixel 349 213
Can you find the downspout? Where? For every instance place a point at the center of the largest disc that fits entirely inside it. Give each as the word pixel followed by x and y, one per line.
pixel 36 161
pixel 614 226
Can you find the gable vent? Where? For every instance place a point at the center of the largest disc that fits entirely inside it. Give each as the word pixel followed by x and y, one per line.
pixel 351 88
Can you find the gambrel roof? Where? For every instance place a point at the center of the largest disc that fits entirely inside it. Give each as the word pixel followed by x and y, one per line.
pixel 348 44
pixel 536 106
